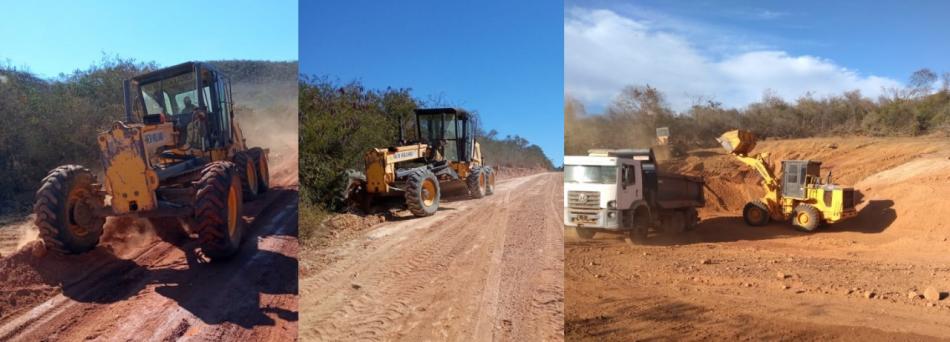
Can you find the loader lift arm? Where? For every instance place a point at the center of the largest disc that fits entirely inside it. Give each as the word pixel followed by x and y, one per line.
pixel 739 143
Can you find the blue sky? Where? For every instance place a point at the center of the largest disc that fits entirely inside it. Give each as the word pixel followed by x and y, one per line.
pixel 731 51
pixel 53 37
pixel 501 58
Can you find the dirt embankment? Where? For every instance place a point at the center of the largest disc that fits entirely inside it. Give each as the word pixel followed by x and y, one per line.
pixel 479 269
pixel 859 279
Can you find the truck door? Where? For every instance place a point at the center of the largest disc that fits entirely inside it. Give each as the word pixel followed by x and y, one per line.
pixel 630 186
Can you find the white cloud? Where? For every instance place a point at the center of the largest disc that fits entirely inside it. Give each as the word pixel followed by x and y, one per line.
pixel 604 51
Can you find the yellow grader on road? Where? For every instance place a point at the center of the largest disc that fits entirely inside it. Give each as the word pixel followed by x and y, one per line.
pixel 179 154
pixel 798 195
pixel 445 153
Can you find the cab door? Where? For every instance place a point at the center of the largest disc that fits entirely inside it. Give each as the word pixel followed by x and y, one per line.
pixel 629 184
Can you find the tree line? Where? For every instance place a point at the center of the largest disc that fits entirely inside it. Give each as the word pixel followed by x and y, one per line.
pixel 631 119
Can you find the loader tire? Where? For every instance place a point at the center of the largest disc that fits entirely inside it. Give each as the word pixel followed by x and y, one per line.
pixel 263 169
pixel 218 205
pixel 64 210
pixel 756 213
pixel 807 218
pixel 490 182
pixel 477 180
pixel 585 233
pixel 422 193
pixel 247 170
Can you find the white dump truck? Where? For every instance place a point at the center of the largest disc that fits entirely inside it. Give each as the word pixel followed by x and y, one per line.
pixel 622 192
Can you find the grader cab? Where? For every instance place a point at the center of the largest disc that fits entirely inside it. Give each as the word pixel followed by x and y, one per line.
pixel 179 153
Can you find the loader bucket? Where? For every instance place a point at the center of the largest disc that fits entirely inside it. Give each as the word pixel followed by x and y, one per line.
pixel 737 142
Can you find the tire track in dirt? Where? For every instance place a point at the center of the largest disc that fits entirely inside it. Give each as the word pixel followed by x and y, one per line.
pixel 446 276
pixel 163 293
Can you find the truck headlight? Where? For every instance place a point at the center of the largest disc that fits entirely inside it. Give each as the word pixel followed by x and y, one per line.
pixel 612 205
pixel 611 214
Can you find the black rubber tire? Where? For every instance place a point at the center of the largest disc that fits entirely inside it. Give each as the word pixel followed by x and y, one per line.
pixel 637 234
pixel 811 214
pixel 414 193
pixel 263 169
pixel 490 181
pixel 476 183
pixel 54 212
pixel 692 219
pixel 763 211
pixel 243 161
pixel 585 233
pixel 218 180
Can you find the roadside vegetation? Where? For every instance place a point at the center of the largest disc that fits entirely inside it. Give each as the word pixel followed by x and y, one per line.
pixel 922 107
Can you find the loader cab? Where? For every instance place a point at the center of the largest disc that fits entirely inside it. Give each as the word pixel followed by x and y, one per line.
pixel 797 175
pixel 183 95
pixel 451 131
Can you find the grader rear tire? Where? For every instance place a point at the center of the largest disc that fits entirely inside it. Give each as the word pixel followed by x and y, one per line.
pixel 247 170
pixel 476 182
pixel 422 193
pixel 263 169
pixel 490 186
pixel 63 209
pixel 218 205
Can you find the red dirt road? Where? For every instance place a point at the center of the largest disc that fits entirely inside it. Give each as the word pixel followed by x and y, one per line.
pixel 158 291
pixel 478 270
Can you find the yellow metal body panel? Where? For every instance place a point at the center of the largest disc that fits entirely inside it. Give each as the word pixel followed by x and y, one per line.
pixel 129 179
pixel 381 165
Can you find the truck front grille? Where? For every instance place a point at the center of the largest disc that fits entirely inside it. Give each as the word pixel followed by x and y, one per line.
pixel 583 199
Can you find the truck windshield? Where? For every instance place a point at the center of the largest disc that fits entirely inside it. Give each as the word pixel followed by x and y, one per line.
pixel 590 174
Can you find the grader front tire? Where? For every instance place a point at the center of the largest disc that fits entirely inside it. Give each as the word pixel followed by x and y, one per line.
pixel 218 205
pixel 64 210
pixel 422 193
pixel 476 183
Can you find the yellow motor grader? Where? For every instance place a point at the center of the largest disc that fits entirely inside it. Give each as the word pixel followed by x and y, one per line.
pixel 179 153
pixel 798 195
pixel 445 153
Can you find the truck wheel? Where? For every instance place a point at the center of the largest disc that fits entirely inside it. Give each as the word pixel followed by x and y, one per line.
pixel 247 170
pixel 807 218
pixel 755 213
pixel 477 183
pixel 64 210
pixel 585 234
pixel 490 186
pixel 218 205
pixel 422 193
pixel 263 169
pixel 692 219
pixel 640 227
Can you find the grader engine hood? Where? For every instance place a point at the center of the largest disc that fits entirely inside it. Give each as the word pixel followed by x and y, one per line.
pixel 130 180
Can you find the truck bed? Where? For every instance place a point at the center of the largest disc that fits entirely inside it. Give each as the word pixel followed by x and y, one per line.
pixel 679 191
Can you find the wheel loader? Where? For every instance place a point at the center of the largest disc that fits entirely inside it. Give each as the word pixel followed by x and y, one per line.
pixel 444 154
pixel 798 195
pixel 180 154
